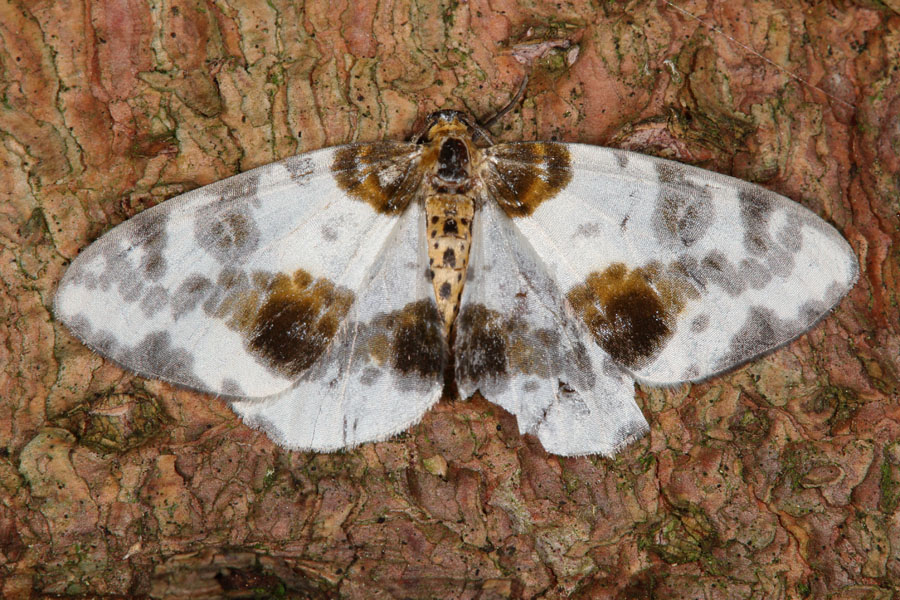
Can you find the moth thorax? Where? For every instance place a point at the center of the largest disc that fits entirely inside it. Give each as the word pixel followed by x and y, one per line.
pixel 453 163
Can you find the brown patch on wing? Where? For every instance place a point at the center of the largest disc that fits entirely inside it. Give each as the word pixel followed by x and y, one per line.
pixel 409 340
pixel 418 345
pixel 287 320
pixel 492 347
pixel 386 175
pixel 522 175
pixel 482 352
pixel 630 313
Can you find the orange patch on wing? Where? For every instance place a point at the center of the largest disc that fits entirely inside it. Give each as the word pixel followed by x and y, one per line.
pixel 521 176
pixel 386 175
pixel 630 313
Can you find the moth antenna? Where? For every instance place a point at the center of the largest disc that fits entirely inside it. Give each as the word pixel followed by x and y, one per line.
pixel 509 106
pixel 757 54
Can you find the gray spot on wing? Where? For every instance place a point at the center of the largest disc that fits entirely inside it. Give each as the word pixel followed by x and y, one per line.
pixel 780 262
pixel 105 343
pixel 118 271
pixel 329 234
pixel 147 231
pixel 687 268
pixel 144 235
pixel 700 323
pixel 716 269
pixel 225 227
pixel 231 387
pixel 126 257
pixel 757 207
pixel 299 168
pixel 813 310
pixel 588 230
pixel 719 270
pixel 79 325
pixel 155 299
pixel 153 263
pixel 370 376
pixel 762 331
pixel 230 236
pixel 267 426
pixel 684 210
pixel 576 363
pixel 189 294
pixel 790 236
pixel 691 373
pixel 234 192
pixel 350 428
pixel 156 355
pixel 754 273
pixel 621 158
pixel 230 283
pixel 131 287
pixel 83 270
pixel 153 356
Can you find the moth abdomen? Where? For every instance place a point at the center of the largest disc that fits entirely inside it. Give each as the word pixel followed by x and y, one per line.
pixel 449 238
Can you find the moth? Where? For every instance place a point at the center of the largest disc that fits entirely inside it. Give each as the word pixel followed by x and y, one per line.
pixel 331 297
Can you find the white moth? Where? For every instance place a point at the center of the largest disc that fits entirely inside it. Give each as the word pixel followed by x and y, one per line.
pixel 332 296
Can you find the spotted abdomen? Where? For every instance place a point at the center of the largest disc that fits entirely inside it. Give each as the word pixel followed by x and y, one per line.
pixel 449 218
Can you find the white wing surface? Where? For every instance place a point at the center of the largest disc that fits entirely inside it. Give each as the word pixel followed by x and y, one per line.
pixel 518 343
pixel 679 273
pixel 237 288
pixel 383 369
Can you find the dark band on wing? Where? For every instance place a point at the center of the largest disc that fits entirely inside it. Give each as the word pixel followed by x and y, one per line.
pixel 384 174
pixel 521 176
pixel 492 346
pixel 630 313
pixel 410 340
pixel 288 322
pixel 418 341
pixel 481 344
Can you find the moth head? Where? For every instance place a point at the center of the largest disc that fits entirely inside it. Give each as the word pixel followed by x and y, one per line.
pixel 452 123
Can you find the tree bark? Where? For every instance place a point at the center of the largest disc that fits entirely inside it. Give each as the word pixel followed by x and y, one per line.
pixel 780 480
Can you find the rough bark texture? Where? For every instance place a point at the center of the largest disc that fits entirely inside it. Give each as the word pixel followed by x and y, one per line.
pixel 781 480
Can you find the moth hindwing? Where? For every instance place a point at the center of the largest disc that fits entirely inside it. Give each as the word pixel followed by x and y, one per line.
pixel 330 296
